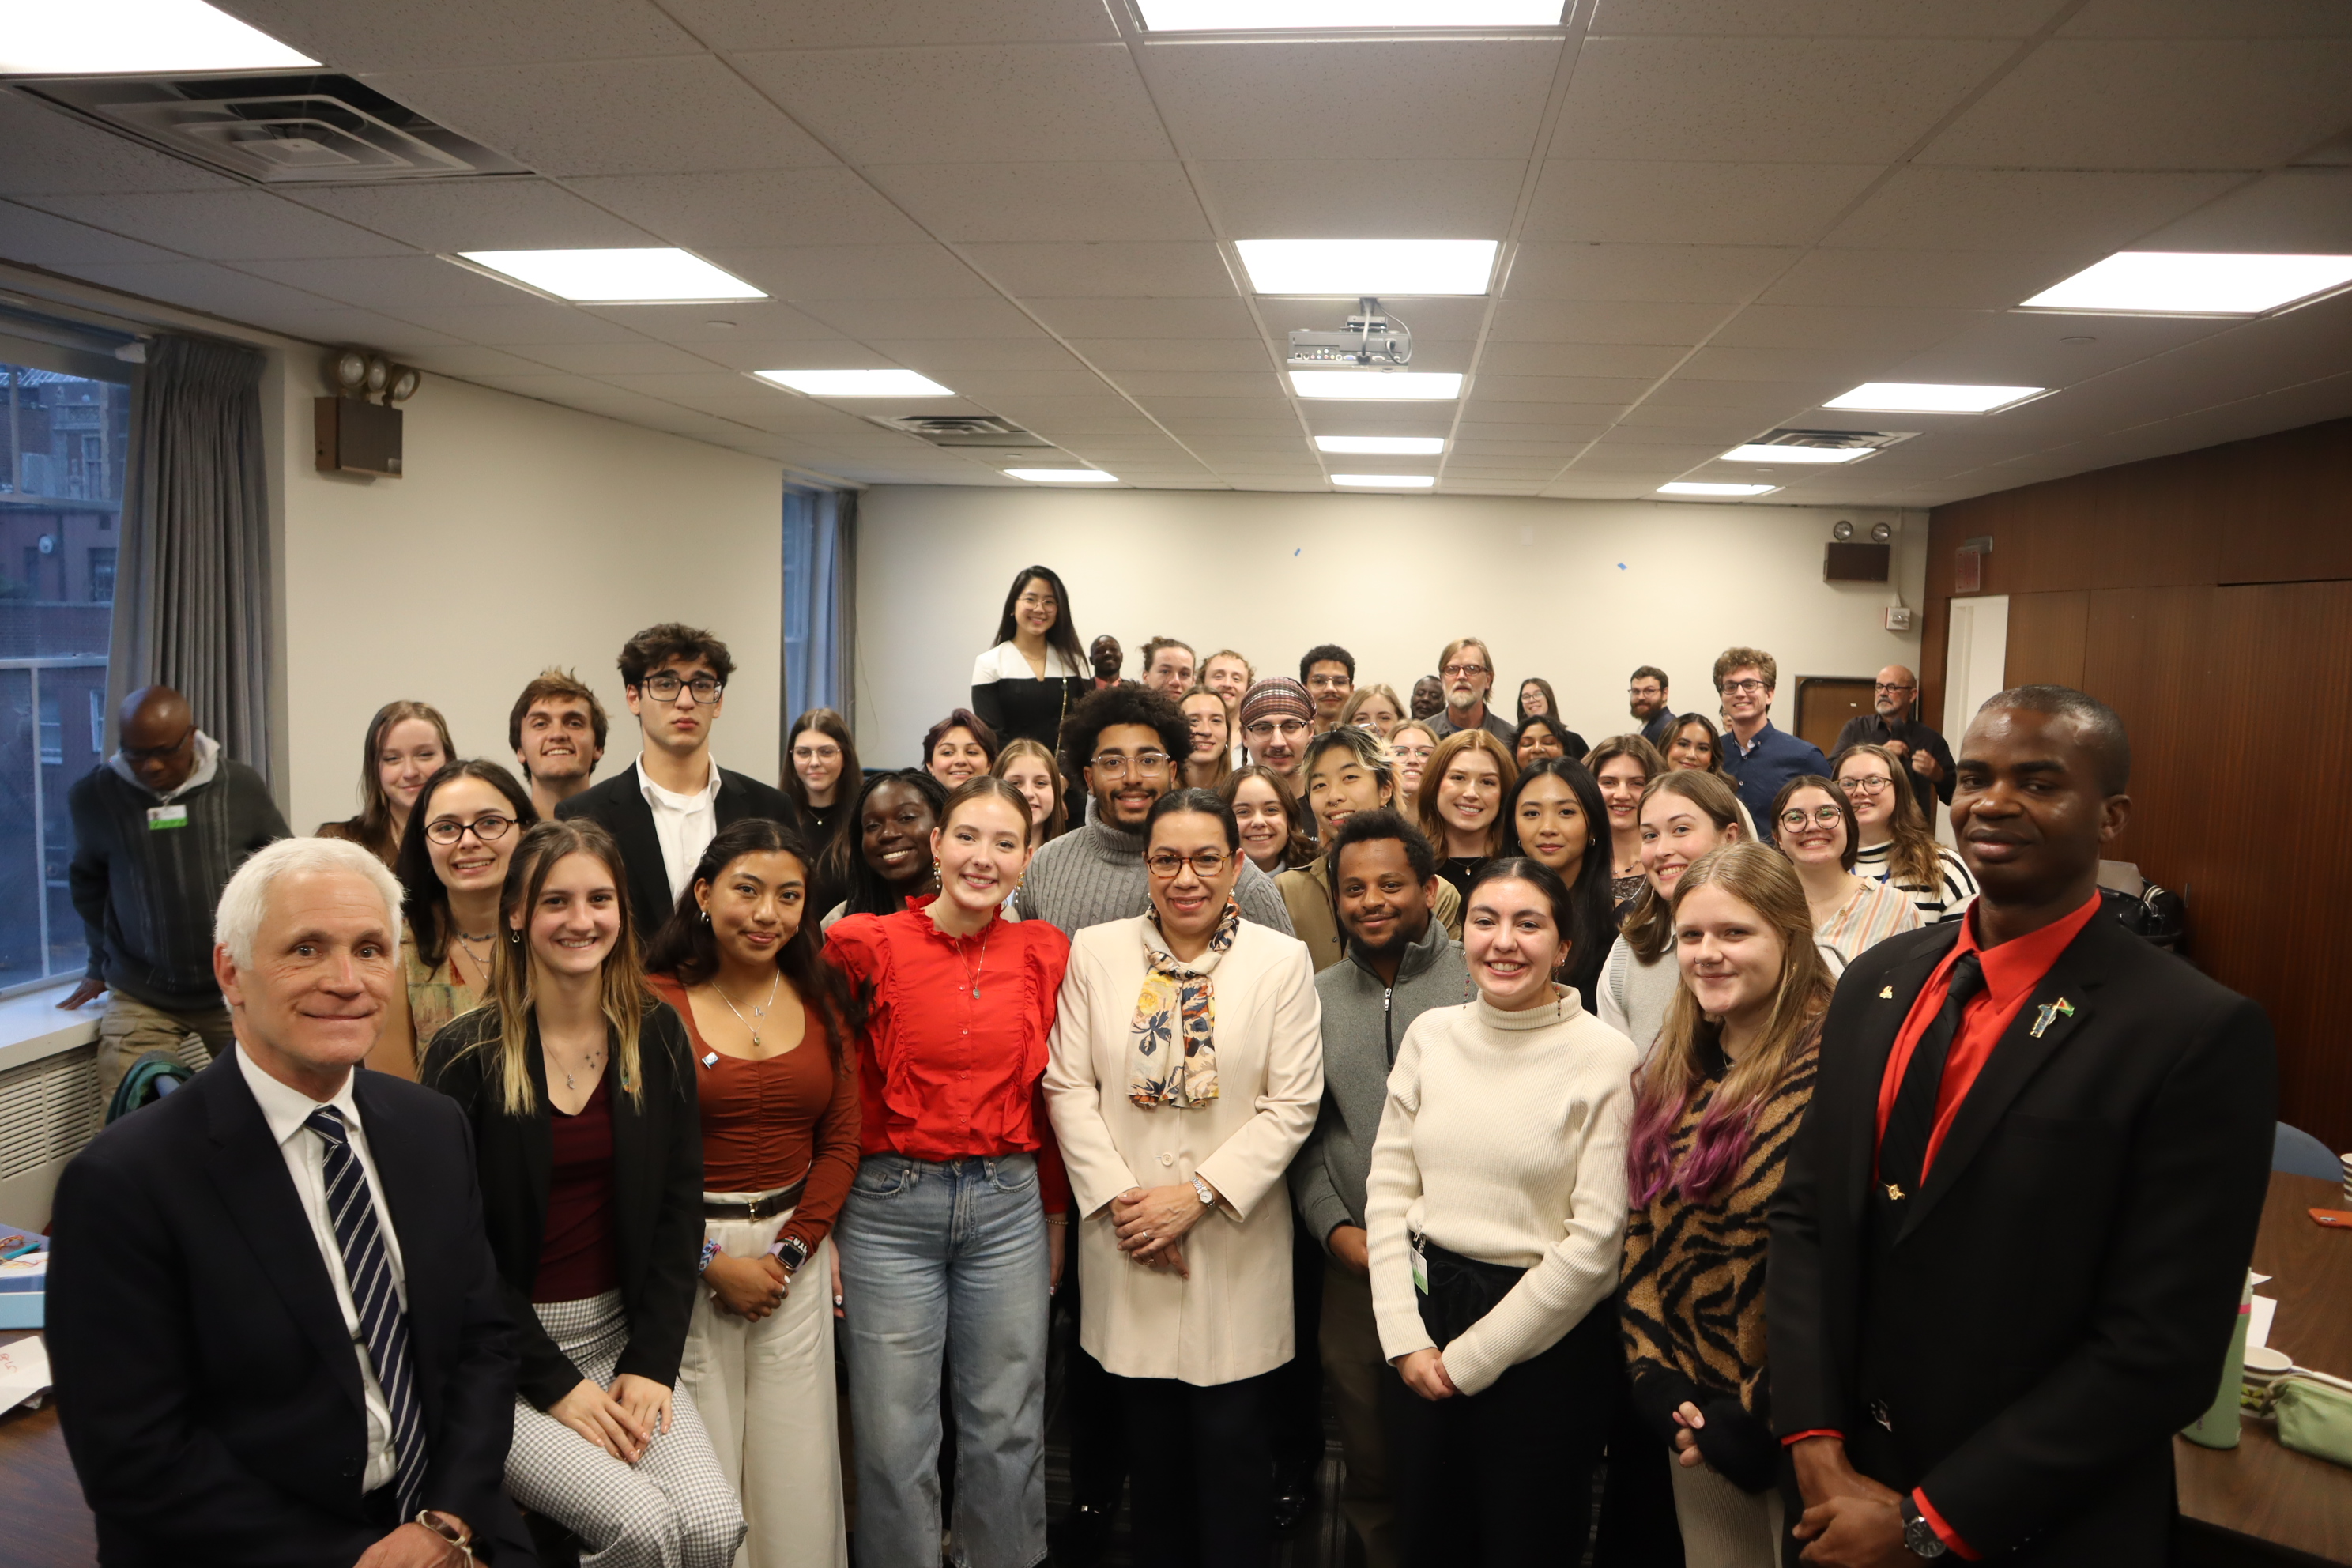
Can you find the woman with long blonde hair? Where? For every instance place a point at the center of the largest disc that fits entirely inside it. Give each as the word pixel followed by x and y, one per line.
pixel 580 1087
pixel 1685 816
pixel 407 743
pixel 1715 1110
pixel 1032 768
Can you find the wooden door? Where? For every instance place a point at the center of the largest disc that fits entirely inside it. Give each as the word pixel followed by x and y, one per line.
pixel 1825 704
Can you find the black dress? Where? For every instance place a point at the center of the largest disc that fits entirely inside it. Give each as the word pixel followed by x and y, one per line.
pixel 1015 703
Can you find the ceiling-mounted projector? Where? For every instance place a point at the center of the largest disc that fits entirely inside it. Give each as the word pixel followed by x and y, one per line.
pixel 1370 339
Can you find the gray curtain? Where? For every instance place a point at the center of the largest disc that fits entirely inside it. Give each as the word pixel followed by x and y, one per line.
pixel 820 594
pixel 192 587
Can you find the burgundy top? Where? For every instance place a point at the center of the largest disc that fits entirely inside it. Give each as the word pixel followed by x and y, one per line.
pixel 576 1258
pixel 765 1124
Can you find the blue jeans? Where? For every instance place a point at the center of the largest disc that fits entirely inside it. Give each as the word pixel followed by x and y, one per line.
pixel 946 1257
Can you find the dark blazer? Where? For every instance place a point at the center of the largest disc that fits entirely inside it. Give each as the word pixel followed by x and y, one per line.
pixel 2058 1296
pixel 209 1394
pixel 619 806
pixel 656 1189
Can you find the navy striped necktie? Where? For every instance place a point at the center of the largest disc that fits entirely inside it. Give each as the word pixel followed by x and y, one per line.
pixel 367 1268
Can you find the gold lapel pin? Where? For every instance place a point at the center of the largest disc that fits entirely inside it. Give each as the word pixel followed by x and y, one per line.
pixel 1886 994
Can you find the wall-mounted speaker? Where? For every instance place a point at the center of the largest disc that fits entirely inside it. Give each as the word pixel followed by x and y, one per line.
pixel 1856 563
pixel 356 436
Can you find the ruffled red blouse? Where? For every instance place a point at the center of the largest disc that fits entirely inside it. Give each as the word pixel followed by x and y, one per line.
pixel 945 1074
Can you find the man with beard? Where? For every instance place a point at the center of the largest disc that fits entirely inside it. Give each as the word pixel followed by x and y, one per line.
pixel 1466 671
pixel 1399 964
pixel 2027 1105
pixel 1652 709
pixel 1126 744
pixel 1328 673
pixel 557 730
pixel 1277 718
pixel 1894 724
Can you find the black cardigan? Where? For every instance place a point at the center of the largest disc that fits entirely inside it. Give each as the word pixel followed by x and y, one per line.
pixel 657 1190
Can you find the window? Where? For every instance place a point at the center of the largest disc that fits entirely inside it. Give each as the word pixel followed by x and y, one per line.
pixel 65 425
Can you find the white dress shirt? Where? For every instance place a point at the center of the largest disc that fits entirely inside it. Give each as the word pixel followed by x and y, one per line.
pixel 286 1108
pixel 685 824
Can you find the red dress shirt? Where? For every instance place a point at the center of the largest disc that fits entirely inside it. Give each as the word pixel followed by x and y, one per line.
pixel 943 1074
pixel 2011 971
pixel 767 1123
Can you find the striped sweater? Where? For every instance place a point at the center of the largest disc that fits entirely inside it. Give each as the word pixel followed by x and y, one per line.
pixel 1691 1307
pixel 1874 912
pixel 1946 899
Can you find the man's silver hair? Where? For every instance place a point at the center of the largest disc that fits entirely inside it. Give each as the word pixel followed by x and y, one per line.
pixel 245 899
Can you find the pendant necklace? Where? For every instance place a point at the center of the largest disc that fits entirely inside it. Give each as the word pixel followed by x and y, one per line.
pixel 481 964
pixel 595 1059
pixel 978 964
pixel 760 1011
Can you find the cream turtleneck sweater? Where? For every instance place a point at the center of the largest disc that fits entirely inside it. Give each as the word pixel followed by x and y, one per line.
pixel 1503 1139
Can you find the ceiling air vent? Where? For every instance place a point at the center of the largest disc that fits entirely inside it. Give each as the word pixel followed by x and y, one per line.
pixel 967 432
pixel 287 129
pixel 1834 440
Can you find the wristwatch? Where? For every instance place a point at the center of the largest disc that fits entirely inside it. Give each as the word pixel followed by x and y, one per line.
pixel 791 1252
pixel 1200 1190
pixel 1919 1536
pixel 449 1529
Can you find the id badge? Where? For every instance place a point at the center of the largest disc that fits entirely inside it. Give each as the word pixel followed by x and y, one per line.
pixel 1420 1265
pixel 160 817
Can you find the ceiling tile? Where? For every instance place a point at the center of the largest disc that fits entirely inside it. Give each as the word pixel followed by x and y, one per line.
pixel 1927 209
pixel 38 238
pixel 1856 18
pixel 337 325
pixel 1174 354
pixel 464 361
pixel 1143 318
pixel 1643 360
pixel 805 272
pixel 613 117
pixel 1733 100
pixel 992 385
pixel 1390 98
pixel 1725 274
pixel 1981 280
pixel 1403 198
pixel 1560 388
pixel 1152 387
pixel 977 105
pixel 45 151
pixel 2116 104
pixel 752 354
pixel 1047 201
pixel 1071 270
pixel 736 24
pixel 924 318
pixel 1625 201
pixel 397 283
pixel 728 324
pixel 1829 327
pixel 225 225
pixel 978 354
pixel 502 212
pixel 1552 433
pixel 202 286
pixel 1770 399
pixel 1610 321
pixel 524 322
pixel 2201 19
pixel 1847 365
pixel 612 359
pixel 2294 210
pixel 755 208
pixel 385 34
pixel 1172 408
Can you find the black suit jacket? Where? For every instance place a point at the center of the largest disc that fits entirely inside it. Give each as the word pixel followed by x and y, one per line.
pixel 2060 1293
pixel 656 1189
pixel 207 1388
pixel 619 806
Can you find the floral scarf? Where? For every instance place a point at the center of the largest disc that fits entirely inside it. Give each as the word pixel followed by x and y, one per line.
pixel 1178 997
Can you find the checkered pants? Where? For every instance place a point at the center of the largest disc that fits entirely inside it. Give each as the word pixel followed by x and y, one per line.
pixel 672 1508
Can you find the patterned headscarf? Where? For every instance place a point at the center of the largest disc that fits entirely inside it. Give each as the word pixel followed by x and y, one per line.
pixel 1171 1051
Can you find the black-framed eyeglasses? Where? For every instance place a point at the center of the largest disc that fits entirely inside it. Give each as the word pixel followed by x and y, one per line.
pixel 1750 685
pixel 1864 787
pixel 1894 686
pixel 1826 816
pixel 488 829
pixel 1167 865
pixel 665 688
pixel 1267 729
pixel 1111 765
pixel 158 753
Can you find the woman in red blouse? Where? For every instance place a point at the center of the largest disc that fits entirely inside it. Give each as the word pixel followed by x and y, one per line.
pixel 767 1021
pixel 953 1231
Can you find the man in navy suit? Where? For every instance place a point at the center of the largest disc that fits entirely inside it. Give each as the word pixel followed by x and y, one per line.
pixel 274 1319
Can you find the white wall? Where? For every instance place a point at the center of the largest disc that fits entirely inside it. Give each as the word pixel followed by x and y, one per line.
pixel 1576 592
pixel 521 535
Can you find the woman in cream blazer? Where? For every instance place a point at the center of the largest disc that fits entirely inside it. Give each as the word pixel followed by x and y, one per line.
pixel 1186 1284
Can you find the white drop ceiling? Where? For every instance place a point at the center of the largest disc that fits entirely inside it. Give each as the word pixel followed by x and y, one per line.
pixel 1715 214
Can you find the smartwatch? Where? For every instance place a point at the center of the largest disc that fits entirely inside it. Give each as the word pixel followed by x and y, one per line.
pixel 791 1252
pixel 1919 1537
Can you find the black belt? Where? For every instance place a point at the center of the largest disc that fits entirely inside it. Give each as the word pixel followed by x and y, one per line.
pixel 765 1206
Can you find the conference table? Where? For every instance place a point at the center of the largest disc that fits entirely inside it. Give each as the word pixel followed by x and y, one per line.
pixel 2257 1503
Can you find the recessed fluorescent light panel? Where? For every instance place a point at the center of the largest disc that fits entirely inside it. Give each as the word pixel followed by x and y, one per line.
pixel 1379 385
pixel 1382 445
pixel 1932 397
pixel 1063 476
pixel 1325 15
pixel 1703 488
pixel 651 275
pixel 2194 283
pixel 1368 267
pixel 856 383
pixel 120 37
pixel 1776 454
pixel 1386 482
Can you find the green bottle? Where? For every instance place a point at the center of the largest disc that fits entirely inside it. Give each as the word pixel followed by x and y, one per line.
pixel 2218 1427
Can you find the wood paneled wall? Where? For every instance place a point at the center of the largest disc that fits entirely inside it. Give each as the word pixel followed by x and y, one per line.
pixel 2207 598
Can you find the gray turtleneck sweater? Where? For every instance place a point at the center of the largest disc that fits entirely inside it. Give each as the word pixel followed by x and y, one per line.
pixel 1094 874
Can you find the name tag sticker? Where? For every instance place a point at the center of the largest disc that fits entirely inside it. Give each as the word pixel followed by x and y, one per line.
pixel 162 816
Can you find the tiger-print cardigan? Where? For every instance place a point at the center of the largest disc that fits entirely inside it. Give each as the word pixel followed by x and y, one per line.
pixel 1691 1298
